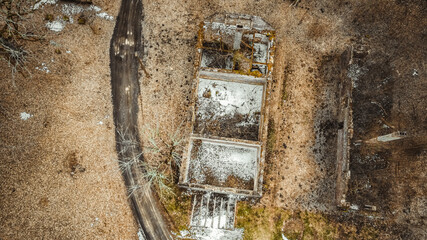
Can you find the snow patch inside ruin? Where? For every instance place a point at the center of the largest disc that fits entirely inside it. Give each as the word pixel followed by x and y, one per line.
pixel 223 164
pixel 200 233
pixel 218 99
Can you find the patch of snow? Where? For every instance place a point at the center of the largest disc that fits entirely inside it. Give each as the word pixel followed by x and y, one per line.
pixel 217 99
pixel 184 233
pixel 94 8
pixel 216 211
pixel 214 220
pixel 105 15
pixel 71 9
pixel 25 116
pixel 354 207
pixel 201 233
pixel 355 72
pixel 56 25
pixel 260 52
pixel 43 68
pixel 221 27
pixel 221 161
pixel 43 2
pixel 141 235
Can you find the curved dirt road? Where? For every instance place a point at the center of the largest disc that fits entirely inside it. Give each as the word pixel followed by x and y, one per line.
pixel 124 49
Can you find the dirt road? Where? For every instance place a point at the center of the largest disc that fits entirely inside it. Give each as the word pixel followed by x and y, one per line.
pixel 124 51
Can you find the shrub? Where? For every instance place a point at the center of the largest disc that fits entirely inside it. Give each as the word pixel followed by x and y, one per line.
pixel 14 30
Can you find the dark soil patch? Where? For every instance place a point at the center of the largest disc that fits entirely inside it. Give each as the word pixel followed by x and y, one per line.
pixel 229 127
pixel 73 163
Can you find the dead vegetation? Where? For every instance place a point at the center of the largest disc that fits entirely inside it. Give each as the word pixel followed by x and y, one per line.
pixel 15 29
pixel 162 158
pixel 273 222
pixel 162 151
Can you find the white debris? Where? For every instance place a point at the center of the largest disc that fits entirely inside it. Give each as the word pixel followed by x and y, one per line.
pixel 100 123
pixel 43 2
pixel 68 51
pixel 55 26
pixel 25 116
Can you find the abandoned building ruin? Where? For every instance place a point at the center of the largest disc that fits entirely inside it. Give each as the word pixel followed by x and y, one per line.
pixel 226 150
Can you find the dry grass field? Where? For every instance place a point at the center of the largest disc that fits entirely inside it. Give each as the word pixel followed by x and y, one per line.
pixel 59 176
